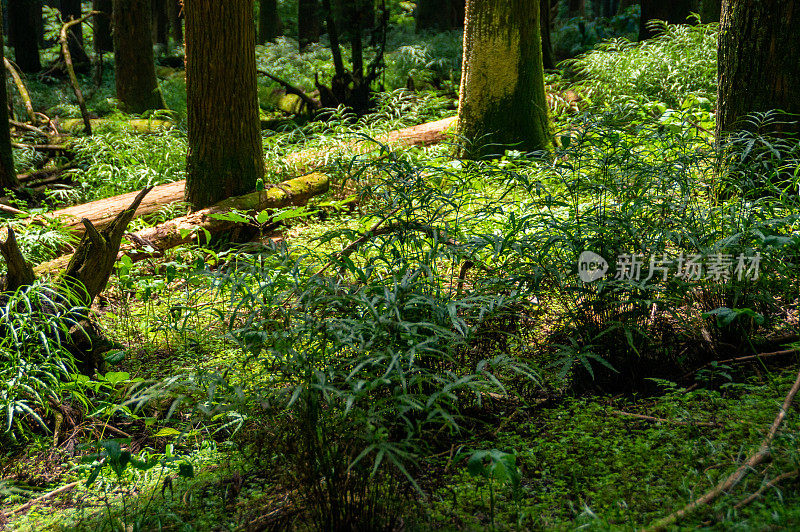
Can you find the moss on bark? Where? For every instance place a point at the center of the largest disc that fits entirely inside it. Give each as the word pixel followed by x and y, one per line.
pixel 502 97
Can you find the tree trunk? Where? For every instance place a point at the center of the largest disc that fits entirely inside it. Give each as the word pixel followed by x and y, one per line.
pixel 71 10
pixel 8 176
pixel 502 97
pixel 159 22
pixel 308 25
pixel 269 23
pixel 547 46
pixel 758 56
pixel 23 18
pixel 226 156
pixel 103 41
pixel 674 12
pixel 135 72
pixel 440 14
pixel 710 10
pixel 576 8
pixel 174 12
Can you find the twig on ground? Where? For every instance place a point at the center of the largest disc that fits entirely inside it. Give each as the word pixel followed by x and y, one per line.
pixel 756 459
pixel 47 495
pixel 771 484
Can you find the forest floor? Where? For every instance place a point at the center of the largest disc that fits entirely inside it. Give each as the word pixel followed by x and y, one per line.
pixel 190 426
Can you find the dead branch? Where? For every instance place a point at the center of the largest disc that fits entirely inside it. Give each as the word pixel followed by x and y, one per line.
pixel 754 460
pixel 21 89
pixel 747 358
pixel 771 484
pixel 73 79
pixel 62 489
pixel 291 89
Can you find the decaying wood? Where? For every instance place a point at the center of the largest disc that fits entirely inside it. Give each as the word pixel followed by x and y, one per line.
pixel 19 271
pixel 101 212
pixel 21 89
pixel 136 125
pixel 187 228
pixel 90 267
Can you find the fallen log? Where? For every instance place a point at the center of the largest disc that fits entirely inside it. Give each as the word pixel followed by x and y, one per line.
pixel 137 125
pixel 101 212
pixel 185 229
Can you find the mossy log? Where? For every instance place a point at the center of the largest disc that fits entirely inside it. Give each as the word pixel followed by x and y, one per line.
pixel 139 125
pixel 102 212
pixel 186 228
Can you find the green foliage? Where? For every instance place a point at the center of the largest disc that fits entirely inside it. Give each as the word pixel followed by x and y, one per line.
pixel 120 161
pixel 35 364
pixel 679 62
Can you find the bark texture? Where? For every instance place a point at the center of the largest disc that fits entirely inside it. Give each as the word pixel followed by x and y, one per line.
pixel 440 14
pixel 8 176
pixel 269 23
pixel 502 97
pixel 159 21
pixel 225 148
pixel 674 12
pixel 135 71
pixel 547 45
pixel 759 61
pixel 308 22
pixel 23 20
pixel 103 42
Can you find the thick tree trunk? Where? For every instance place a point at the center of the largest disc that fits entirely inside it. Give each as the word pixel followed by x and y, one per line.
pixel 440 14
pixel 308 22
pixel 103 42
pixel 23 19
pixel 159 21
pixel 269 23
pixel 71 10
pixel 674 12
pixel 758 58
pixel 8 176
pixel 137 86
pixel 226 156
pixel 502 98
pixel 547 46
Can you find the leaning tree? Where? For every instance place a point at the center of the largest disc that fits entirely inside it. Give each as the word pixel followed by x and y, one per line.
pixel 225 148
pixel 758 60
pixel 134 67
pixel 502 97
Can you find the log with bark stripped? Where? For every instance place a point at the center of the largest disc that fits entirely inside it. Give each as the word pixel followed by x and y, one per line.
pixel 185 229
